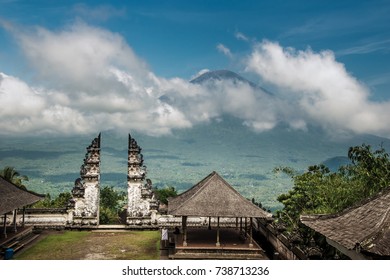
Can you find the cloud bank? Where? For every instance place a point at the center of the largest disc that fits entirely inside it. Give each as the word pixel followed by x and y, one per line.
pixel 89 79
pixel 320 89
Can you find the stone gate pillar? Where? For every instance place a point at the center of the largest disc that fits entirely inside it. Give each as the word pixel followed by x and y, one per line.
pixel 141 200
pixel 86 192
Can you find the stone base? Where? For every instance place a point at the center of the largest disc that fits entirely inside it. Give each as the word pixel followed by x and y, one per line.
pixel 85 222
pixel 141 221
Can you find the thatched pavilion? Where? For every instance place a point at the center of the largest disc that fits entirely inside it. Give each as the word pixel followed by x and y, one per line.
pixel 214 198
pixel 361 231
pixel 12 198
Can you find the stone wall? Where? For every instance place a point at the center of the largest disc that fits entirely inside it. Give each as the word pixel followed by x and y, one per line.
pixel 58 218
pixel 63 218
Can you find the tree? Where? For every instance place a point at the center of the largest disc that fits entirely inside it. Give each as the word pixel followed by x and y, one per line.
pixel 163 194
pixel 61 201
pixel 369 168
pixel 11 175
pixel 319 191
pixel 111 204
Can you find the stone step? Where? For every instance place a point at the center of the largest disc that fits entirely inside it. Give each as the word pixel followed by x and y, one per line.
pixel 26 241
pixel 216 256
pixel 109 227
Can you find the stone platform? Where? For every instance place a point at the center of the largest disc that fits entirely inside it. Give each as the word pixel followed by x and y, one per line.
pixel 201 244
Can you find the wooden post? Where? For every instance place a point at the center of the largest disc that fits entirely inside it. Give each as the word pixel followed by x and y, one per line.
pixel 246 227
pixel 5 226
pixel 236 223
pixel 250 233
pixel 240 224
pixel 184 225
pixel 209 228
pixel 24 213
pixel 218 244
pixel 14 221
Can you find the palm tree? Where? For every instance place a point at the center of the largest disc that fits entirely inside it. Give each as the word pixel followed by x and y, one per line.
pixel 11 175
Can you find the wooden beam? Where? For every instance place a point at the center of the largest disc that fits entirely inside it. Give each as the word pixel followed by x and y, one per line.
pixel 354 255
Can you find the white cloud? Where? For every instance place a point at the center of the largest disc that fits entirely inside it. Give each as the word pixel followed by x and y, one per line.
pixel 33 111
pixel 241 36
pixel 225 50
pixel 224 97
pixel 89 79
pixel 74 56
pixel 320 88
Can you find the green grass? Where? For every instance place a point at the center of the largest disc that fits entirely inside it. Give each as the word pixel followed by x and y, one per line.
pixel 79 245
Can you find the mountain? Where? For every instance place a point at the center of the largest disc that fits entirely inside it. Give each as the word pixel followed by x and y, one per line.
pixel 219 75
pixel 335 163
pixel 224 75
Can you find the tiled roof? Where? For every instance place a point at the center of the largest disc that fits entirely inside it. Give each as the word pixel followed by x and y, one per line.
pixel 214 197
pixel 365 226
pixel 13 197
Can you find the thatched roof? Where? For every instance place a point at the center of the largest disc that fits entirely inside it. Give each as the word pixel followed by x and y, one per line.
pixel 13 197
pixel 365 226
pixel 214 197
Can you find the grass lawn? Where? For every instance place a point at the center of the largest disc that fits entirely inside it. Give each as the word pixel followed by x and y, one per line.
pixel 95 245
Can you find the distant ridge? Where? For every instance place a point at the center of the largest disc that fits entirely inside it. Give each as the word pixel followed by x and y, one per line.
pixel 220 75
pixel 225 75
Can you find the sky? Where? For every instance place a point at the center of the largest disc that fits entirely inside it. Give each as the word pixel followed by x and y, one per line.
pixel 71 67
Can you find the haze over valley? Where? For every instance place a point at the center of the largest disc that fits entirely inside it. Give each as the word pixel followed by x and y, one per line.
pixel 245 158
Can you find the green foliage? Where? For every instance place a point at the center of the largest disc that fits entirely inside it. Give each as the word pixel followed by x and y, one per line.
pixel 108 216
pixel 61 201
pixel 369 168
pixel 319 191
pixel 11 175
pixel 163 194
pixel 111 204
pixel 260 205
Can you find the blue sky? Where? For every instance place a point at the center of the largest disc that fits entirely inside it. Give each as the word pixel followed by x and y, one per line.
pixel 174 40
